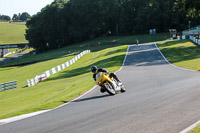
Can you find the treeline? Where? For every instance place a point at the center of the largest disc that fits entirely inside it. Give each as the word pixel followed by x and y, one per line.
pixel 21 17
pixel 4 17
pixel 68 21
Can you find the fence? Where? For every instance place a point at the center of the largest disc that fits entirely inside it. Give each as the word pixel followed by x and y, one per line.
pixel 48 73
pixel 181 37
pixel 195 40
pixel 8 85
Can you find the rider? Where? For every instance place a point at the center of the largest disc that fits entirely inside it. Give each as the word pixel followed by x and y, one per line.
pixel 95 70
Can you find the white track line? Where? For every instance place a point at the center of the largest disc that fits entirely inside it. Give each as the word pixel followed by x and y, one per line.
pixel 13 119
pixel 190 127
pixel 16 118
pixel 124 60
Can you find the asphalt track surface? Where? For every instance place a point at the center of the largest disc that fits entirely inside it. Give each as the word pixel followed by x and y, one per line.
pixel 160 98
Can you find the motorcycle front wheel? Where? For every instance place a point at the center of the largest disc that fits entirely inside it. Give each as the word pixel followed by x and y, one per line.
pixel 110 89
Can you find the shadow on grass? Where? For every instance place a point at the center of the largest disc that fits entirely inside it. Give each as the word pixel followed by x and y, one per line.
pixel 131 39
pixel 179 54
pixel 17 62
pixel 26 63
pixel 170 43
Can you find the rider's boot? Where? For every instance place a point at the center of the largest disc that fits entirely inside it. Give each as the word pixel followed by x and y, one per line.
pixel 102 90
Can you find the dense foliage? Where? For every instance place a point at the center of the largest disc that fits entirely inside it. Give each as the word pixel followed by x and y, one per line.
pixel 68 21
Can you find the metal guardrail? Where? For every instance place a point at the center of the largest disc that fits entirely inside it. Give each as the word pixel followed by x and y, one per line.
pixel 8 85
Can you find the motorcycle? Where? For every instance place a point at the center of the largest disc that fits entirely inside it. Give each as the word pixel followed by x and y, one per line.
pixel 111 85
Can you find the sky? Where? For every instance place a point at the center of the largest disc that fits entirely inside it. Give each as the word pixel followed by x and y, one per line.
pixel 10 7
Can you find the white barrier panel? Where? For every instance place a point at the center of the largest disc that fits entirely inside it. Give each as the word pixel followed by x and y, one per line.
pixel 63 66
pixel 198 42
pixel 35 80
pixel 32 82
pixel 53 70
pixel 59 68
pixel 70 62
pixel 183 37
pixel 67 63
pixel 28 83
pixel 48 73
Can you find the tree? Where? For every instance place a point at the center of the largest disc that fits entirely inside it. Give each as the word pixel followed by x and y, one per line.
pixel 15 17
pixel 24 16
pixel 65 22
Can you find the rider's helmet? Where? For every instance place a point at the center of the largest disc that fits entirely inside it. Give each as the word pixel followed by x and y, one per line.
pixel 94 69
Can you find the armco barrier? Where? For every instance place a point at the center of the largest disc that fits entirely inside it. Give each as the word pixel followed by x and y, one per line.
pixel 48 73
pixel 8 86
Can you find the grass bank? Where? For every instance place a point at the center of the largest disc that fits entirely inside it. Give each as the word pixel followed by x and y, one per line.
pixel 59 88
pixel 181 53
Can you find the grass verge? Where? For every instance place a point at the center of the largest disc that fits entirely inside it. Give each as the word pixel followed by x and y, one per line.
pixel 195 130
pixel 181 53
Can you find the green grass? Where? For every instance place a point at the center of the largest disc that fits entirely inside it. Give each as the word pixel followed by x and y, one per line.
pixel 12 33
pixel 65 85
pixel 195 130
pixel 182 53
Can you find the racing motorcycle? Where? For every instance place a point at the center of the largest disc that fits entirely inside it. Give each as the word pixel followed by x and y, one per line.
pixel 111 85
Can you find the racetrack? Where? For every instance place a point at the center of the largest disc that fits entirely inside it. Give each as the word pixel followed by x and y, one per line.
pixel 160 98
